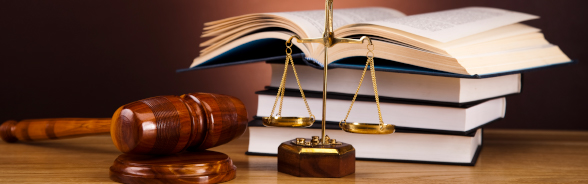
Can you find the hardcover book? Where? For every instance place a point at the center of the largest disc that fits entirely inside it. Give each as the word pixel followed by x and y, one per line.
pixel 402 146
pixel 457 120
pixel 399 86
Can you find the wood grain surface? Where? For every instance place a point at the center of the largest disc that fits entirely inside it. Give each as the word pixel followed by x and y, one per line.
pixel 170 124
pixel 200 167
pixel 156 126
pixel 294 161
pixel 57 128
pixel 508 156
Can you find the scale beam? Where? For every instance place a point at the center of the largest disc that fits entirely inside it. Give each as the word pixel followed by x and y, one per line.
pixel 326 41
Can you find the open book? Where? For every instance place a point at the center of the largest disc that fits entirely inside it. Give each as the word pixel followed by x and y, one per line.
pixel 468 41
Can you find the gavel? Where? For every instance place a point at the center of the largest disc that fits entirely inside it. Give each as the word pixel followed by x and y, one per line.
pixel 155 126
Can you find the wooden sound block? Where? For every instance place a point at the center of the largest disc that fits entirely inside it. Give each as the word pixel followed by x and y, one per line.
pixel 331 161
pixel 185 167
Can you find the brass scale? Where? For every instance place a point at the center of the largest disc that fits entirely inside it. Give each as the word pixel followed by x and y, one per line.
pixel 328 40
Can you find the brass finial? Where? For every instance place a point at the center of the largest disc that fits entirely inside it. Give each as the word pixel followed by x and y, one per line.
pixel 300 141
pixel 327 138
pixel 315 140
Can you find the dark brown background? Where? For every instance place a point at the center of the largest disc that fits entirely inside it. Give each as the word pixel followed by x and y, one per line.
pixel 86 58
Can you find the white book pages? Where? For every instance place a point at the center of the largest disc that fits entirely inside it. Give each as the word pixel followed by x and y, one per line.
pixel 449 25
pixel 397 146
pixel 313 22
pixel 405 115
pixel 400 85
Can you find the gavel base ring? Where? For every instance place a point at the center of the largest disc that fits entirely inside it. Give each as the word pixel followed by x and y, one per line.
pixel 185 167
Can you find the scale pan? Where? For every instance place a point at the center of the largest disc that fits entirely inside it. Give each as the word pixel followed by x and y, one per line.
pixel 288 121
pixel 366 128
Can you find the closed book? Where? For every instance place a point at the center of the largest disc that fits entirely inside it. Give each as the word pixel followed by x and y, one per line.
pixel 401 86
pixel 456 120
pixel 402 146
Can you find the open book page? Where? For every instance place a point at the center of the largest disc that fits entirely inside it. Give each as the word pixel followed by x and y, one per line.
pixel 449 25
pixel 313 22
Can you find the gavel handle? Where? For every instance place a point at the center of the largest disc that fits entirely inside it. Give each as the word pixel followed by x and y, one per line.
pixel 42 129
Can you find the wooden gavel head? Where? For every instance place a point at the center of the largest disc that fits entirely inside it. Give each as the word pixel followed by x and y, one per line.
pixel 170 124
pixel 155 126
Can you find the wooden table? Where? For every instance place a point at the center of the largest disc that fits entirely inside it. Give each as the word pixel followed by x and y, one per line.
pixel 507 156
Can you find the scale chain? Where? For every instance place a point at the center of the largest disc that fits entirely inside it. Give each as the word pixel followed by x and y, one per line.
pixel 370 62
pixel 282 88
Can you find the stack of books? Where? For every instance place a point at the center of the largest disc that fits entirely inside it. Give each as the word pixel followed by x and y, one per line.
pixel 441 76
pixel 438 119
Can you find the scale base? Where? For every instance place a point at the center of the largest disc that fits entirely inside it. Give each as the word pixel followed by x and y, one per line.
pixel 329 161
